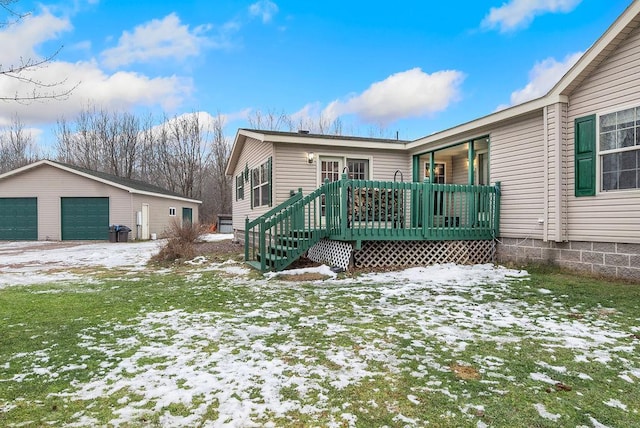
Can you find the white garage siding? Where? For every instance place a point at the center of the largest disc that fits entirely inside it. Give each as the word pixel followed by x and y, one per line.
pixel 159 218
pixel 49 184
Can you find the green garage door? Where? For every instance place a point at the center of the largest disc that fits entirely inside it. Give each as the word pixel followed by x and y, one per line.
pixel 85 218
pixel 18 219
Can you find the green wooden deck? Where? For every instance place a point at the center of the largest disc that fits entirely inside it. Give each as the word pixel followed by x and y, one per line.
pixel 362 210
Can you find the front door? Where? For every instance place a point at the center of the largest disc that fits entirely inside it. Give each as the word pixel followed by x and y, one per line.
pixel 187 216
pixel 145 222
pixel 330 169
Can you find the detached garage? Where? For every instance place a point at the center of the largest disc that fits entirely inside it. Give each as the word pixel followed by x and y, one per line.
pixel 49 200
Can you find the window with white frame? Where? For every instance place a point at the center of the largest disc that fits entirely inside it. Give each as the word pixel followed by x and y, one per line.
pixel 261 185
pixel 240 187
pixel 619 144
pixel 358 169
pixel 172 211
pixel 439 172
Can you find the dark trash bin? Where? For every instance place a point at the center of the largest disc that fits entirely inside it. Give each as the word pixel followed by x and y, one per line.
pixel 113 235
pixel 123 233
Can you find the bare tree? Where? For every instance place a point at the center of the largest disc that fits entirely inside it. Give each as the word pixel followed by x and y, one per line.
pixel 79 145
pixel 273 121
pixel 270 120
pixel 216 198
pixel 183 154
pixel 17 148
pixel 32 88
pixel 101 141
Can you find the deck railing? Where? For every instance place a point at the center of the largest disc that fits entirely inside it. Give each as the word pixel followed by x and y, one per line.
pixel 387 210
pixel 360 210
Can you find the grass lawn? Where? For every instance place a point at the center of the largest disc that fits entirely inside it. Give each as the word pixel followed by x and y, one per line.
pixel 215 345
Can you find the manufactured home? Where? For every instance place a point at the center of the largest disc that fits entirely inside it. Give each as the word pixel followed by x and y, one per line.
pixel 555 179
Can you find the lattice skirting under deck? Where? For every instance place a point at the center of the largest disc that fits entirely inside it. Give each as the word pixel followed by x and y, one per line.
pixel 422 253
pixel 332 253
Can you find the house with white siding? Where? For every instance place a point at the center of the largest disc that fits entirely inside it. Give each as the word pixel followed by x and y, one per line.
pixel 556 179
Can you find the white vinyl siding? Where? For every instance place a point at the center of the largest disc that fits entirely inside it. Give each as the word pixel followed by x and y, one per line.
pixel 292 171
pixel 459 170
pixel 518 161
pixel 253 154
pixel 554 169
pixel 613 86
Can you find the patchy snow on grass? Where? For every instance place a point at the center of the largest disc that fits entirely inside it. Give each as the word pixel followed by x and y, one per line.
pixel 322 270
pixel 25 263
pixel 255 361
pixel 214 237
pixel 557 369
pixel 543 378
pixel 597 424
pixel 542 411
pixel 178 365
pixel 242 364
pixel 616 403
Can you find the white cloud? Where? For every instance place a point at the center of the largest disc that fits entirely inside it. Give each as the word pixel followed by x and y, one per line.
pixel 120 90
pixel 308 113
pixel 410 93
pixel 264 9
pixel 20 40
pixel 519 13
pixel 206 120
pixel 543 76
pixel 165 38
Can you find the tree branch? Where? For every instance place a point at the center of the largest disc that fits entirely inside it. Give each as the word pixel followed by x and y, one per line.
pixel 36 89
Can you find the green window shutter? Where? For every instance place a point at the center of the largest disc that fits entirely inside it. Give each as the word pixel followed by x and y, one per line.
pixel 585 156
pixel 251 189
pixel 237 186
pixel 269 176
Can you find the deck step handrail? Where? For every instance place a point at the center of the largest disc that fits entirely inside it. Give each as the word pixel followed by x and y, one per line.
pixel 280 236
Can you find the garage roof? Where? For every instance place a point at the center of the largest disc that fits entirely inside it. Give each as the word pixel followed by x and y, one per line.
pixel 132 186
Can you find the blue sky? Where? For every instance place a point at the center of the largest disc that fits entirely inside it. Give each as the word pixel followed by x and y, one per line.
pixel 411 67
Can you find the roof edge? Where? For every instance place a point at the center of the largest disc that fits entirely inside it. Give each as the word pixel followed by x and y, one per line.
pixel 492 118
pixel 591 54
pixel 92 177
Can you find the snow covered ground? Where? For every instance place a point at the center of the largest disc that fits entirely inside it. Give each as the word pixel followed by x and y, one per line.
pixel 245 362
pixel 35 262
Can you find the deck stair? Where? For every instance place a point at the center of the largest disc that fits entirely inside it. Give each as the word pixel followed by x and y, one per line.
pixel 279 237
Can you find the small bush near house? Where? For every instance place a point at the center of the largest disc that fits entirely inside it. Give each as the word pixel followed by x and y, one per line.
pixel 181 242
